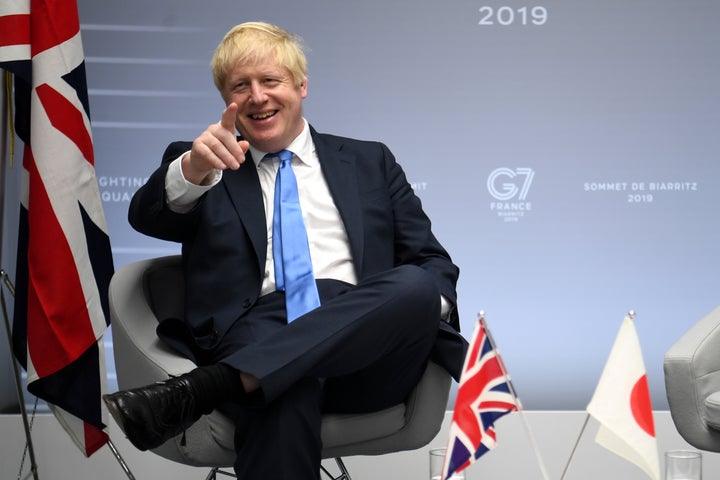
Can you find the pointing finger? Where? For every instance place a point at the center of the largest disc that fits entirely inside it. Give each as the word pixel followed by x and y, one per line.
pixel 227 121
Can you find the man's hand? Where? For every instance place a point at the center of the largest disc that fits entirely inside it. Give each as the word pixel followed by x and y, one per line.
pixel 216 148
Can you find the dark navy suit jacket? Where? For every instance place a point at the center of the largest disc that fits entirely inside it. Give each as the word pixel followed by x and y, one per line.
pixel 224 238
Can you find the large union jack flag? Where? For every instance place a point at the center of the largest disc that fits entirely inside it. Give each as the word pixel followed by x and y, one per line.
pixel 64 261
pixel 484 395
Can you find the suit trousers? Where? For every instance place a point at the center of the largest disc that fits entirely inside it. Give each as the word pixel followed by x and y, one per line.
pixel 364 349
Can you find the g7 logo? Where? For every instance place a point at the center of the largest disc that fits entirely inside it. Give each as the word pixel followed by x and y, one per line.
pixel 504 183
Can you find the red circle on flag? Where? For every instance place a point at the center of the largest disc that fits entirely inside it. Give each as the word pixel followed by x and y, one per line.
pixel 641 406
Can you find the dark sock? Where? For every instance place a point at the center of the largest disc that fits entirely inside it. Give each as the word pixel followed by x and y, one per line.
pixel 215 384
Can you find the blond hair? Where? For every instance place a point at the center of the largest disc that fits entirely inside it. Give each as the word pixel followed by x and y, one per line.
pixel 253 42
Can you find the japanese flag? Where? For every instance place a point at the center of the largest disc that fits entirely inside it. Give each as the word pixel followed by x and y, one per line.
pixel 622 404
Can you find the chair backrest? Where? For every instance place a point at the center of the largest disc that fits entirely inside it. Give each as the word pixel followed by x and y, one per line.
pixel 692 375
pixel 144 291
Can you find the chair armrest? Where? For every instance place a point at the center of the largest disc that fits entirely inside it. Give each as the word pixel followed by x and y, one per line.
pixel 140 357
pixel 692 374
pixel 414 426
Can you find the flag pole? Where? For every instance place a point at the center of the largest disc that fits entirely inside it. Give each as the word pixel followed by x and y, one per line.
pixel 4 279
pixel 119 458
pixel 577 442
pixel 526 425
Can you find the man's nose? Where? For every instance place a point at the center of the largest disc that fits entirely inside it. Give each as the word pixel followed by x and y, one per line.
pixel 257 93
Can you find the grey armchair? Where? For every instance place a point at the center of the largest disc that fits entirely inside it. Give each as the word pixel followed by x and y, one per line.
pixel 692 383
pixel 144 291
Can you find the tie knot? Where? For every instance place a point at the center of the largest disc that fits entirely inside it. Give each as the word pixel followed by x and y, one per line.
pixel 283 155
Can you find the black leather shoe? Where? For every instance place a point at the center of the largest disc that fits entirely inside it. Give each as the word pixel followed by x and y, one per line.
pixel 151 415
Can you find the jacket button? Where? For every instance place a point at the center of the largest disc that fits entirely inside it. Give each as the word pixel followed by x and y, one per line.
pixel 247 303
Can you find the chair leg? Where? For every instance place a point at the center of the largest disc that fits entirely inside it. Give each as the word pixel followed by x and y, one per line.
pixel 344 474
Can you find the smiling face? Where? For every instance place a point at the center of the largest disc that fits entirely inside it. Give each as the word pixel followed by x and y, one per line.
pixel 269 103
pixel 263 69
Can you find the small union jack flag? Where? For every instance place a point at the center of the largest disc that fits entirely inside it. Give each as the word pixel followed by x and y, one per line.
pixel 484 395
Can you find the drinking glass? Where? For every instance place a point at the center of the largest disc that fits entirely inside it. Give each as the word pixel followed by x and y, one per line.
pixel 437 457
pixel 683 465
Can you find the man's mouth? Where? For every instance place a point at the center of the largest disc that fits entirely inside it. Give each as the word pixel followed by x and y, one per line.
pixel 263 116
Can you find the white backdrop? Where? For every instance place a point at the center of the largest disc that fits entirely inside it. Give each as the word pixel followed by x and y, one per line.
pixel 566 150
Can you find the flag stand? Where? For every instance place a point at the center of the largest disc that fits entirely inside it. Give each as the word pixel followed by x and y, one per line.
pixel 533 442
pixel 18 383
pixel 16 373
pixel 21 397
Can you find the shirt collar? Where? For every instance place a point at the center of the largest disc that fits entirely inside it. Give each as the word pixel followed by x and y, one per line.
pixel 302 147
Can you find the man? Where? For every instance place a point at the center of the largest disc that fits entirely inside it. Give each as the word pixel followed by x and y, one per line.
pixel 385 286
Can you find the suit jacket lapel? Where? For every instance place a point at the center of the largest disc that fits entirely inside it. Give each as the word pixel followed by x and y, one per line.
pixel 243 187
pixel 340 173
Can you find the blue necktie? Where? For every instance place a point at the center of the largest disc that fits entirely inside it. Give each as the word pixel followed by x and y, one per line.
pixel 291 253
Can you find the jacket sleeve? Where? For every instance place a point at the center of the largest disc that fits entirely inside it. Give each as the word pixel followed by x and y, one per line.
pixel 149 213
pixel 414 240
